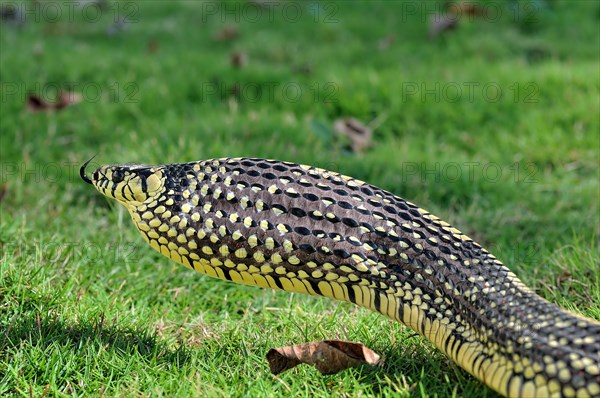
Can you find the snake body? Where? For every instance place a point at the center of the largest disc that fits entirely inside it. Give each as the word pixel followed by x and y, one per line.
pixel 302 229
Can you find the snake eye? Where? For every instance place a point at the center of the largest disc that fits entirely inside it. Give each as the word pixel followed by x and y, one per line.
pixel 117 176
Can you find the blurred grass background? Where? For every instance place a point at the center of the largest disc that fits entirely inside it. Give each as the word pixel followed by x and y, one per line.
pixel 493 126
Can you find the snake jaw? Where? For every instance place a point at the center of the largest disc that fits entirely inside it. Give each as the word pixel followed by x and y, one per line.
pixel 84 177
pixel 130 184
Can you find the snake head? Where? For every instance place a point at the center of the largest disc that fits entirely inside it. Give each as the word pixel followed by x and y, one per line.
pixel 130 184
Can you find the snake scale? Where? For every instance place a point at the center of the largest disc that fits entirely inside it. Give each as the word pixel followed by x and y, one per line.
pixel 303 229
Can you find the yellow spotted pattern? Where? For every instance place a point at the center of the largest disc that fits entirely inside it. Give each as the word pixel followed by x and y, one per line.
pixel 302 229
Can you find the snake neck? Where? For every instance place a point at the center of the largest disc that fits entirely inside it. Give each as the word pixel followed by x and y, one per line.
pixel 300 229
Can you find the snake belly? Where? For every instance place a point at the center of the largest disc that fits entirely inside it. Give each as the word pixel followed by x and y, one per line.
pixel 303 229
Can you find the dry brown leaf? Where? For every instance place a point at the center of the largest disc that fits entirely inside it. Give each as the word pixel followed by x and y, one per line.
pixel 152 46
pixel 449 19
pixel 359 134
pixel 328 356
pixel 228 33
pixel 463 9
pixel 67 99
pixel 3 190
pixel 239 59
pixel 36 103
pixel 441 23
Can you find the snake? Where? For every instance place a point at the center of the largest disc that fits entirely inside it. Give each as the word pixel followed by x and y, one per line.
pixel 303 229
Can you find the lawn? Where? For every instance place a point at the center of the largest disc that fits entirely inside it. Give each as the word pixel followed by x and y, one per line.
pixel 493 126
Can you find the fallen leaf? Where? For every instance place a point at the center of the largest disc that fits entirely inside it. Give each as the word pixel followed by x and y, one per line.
pixel 152 46
pixel 449 19
pixel 441 23
pixel 68 98
pixel 228 33
pixel 239 59
pixel 36 103
pixel 467 9
pixel 3 190
pixel 328 356
pixel 359 134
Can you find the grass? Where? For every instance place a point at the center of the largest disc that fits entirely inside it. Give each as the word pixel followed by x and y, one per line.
pixel 87 309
